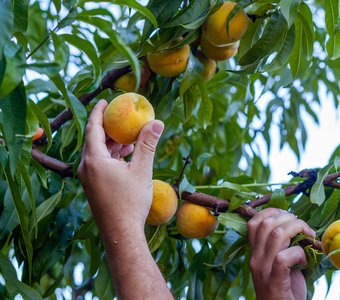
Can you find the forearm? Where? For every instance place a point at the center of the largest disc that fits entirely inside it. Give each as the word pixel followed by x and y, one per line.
pixel 134 271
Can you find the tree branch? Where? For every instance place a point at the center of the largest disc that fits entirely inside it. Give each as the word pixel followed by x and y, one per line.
pixel 212 202
pixel 51 163
pixel 66 115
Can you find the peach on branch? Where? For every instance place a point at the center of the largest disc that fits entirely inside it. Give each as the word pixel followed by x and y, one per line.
pixel 169 62
pixel 216 29
pixel 125 116
pixel 164 203
pixel 126 83
pixel 331 242
pixel 195 221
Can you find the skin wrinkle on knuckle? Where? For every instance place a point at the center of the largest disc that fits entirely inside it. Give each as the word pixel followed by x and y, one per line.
pixel 277 233
pixel 280 261
pixel 266 224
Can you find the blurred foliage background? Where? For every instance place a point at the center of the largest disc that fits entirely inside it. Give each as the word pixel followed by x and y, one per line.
pixel 54 52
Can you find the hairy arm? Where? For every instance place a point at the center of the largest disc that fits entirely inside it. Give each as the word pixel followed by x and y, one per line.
pixel 120 196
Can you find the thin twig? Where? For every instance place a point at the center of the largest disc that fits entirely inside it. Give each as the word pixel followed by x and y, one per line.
pixel 187 161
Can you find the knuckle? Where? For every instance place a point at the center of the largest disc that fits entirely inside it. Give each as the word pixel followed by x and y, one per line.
pixel 277 233
pixel 252 224
pixel 267 223
pixel 88 164
pixel 253 264
pixel 88 128
pixel 279 260
pixel 273 210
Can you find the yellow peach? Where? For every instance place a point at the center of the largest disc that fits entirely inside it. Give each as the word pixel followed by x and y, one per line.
pixel 209 65
pixel 218 53
pixel 164 203
pixel 125 116
pixel 169 63
pixel 331 242
pixel 195 221
pixel 215 26
pixel 126 83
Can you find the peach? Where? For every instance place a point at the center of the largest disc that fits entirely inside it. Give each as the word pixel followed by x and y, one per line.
pixel 125 116
pixel 169 63
pixel 39 133
pixel 215 26
pixel 331 242
pixel 164 203
pixel 209 65
pixel 195 221
pixel 218 53
pixel 126 83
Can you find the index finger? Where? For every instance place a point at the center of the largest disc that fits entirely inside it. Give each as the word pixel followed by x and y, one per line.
pixel 257 219
pixel 95 140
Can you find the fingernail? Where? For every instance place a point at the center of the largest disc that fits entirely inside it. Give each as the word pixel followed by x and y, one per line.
pixel 157 128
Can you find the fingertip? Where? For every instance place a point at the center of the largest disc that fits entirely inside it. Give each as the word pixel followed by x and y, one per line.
pixel 126 150
pixel 157 127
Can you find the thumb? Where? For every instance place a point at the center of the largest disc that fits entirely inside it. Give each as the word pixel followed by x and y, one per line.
pixel 143 155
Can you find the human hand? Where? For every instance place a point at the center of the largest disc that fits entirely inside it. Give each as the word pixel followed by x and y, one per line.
pixel 119 192
pixel 270 232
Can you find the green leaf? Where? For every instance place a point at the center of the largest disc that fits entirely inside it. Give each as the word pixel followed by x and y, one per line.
pixel 86 47
pixel 332 27
pixel 103 282
pixel 142 9
pixel 194 13
pixel 332 45
pixel 237 200
pixel 202 158
pixel 185 186
pixel 48 206
pixel 271 40
pixel 43 120
pixel 42 173
pixel 27 180
pixel 15 59
pixel 85 230
pixel 117 42
pixel 61 51
pixel 23 217
pixel 298 62
pixel 205 110
pixel 282 56
pixel 289 10
pixel 190 99
pixel 13 108
pixel 331 15
pixel 155 236
pixel 163 11
pixel 9 219
pixel 20 8
pixel 13 285
pixel 6 23
pixel 305 15
pixel 48 68
pixel 190 75
pixel 234 221
pixel 278 199
pixel 317 193
pixel 337 163
pixel 77 108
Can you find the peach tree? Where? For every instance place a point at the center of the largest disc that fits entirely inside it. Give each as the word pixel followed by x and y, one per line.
pixel 59 57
